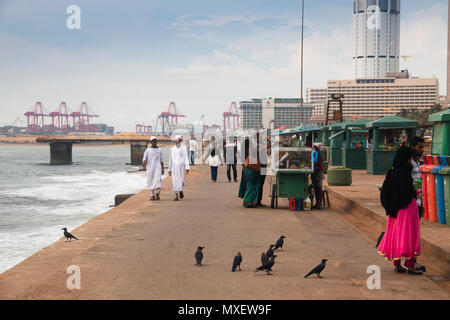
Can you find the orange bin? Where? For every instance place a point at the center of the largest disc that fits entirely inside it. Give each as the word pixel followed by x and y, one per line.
pixel 431 187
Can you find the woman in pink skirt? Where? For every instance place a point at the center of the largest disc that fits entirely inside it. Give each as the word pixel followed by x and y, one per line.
pixel 398 197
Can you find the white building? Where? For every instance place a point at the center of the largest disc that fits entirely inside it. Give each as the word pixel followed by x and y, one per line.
pixel 316 95
pixel 375 98
pixel 273 113
pixel 376 37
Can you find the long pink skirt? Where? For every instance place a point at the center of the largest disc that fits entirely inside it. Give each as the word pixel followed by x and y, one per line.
pixel 402 237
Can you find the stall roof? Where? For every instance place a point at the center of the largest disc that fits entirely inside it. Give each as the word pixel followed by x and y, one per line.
pixel 361 123
pixel 337 125
pixel 393 122
pixel 440 116
pixel 293 132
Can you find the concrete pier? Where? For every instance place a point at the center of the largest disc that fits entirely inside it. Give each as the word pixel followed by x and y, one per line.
pixel 145 250
pixel 61 153
pixel 137 150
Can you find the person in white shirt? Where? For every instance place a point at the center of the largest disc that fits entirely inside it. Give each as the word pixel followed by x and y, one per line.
pixel 193 148
pixel 178 165
pixel 153 164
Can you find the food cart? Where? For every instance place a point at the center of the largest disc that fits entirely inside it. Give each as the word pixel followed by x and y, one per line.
pixel 355 143
pixel 386 135
pixel 336 143
pixel 291 165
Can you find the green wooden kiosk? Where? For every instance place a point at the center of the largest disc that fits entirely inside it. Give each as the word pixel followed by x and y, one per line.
pixel 387 135
pixel 441 133
pixel 337 136
pixel 354 149
pixel 326 133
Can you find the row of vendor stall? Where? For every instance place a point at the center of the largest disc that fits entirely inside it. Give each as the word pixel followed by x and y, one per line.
pixel 371 146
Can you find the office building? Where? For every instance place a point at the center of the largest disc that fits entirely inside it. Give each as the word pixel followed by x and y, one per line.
pixel 376 37
pixel 273 113
pixel 374 98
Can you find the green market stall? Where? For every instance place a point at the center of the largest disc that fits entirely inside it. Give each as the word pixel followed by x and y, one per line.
pixel 387 135
pixel 337 136
pixel 354 149
pixel 441 133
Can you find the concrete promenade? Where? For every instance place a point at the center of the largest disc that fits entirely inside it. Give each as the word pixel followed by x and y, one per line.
pixel 145 250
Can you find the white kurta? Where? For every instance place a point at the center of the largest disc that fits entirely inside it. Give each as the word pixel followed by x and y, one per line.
pixel 178 163
pixel 153 157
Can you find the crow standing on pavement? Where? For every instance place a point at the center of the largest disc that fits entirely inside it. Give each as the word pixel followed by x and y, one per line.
pixel 379 239
pixel 267 266
pixel 264 259
pixel 68 235
pixel 237 262
pixel 269 252
pixel 317 270
pixel 279 244
pixel 199 256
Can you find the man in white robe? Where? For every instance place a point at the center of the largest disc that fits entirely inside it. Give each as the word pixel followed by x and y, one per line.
pixel 153 164
pixel 178 164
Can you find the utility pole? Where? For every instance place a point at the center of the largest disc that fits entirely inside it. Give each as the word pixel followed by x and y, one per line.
pixel 301 64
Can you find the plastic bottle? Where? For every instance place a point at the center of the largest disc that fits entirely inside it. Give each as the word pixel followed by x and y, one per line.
pixel 307 204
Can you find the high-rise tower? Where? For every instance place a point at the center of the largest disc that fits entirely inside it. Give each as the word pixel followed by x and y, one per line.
pixel 376 37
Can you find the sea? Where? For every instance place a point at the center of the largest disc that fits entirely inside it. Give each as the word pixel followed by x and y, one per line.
pixel 37 199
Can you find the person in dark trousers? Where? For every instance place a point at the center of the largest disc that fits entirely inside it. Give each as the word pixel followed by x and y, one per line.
pixel 417 144
pixel 214 158
pixel 317 176
pixel 230 155
pixel 262 175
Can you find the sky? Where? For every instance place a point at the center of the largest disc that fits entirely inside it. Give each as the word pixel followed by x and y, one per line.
pixel 130 59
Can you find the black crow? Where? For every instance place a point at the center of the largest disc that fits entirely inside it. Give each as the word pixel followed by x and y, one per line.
pixel 268 266
pixel 68 235
pixel 264 259
pixel 317 270
pixel 199 256
pixel 237 262
pixel 279 244
pixel 379 239
pixel 269 252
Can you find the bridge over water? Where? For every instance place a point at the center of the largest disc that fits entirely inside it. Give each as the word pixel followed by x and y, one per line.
pixel 61 146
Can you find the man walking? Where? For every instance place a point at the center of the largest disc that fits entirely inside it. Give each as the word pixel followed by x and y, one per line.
pixel 230 155
pixel 193 148
pixel 178 165
pixel 153 164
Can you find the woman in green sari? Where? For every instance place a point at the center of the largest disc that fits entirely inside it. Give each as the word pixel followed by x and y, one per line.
pixel 250 183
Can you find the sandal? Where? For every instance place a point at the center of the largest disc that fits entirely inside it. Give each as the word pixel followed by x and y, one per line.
pixel 157 197
pixel 400 269
pixel 152 198
pixel 415 272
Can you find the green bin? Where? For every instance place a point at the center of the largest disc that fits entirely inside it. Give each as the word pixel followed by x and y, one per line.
pixel 445 172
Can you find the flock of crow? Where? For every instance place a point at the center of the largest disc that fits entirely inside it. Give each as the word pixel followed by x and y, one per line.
pixel 267 259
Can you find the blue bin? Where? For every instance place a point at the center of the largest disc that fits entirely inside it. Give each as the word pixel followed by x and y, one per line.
pixel 440 195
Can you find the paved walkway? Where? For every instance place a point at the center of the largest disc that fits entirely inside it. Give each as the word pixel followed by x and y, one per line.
pixel 145 250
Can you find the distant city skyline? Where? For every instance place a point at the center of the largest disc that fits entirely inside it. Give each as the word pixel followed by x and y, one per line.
pixel 129 61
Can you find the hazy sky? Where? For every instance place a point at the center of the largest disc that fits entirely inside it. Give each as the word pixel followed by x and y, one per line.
pixel 131 58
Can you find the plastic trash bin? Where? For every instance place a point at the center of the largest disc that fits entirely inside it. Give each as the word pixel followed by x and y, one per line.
pixel 423 169
pixel 431 188
pixel 439 180
pixel 445 172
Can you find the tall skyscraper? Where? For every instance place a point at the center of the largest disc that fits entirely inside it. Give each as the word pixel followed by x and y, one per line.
pixel 376 37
